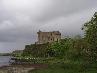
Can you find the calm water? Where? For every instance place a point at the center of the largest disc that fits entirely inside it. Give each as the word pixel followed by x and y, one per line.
pixel 4 60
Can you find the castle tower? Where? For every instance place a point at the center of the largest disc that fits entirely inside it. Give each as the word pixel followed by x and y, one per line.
pixel 44 37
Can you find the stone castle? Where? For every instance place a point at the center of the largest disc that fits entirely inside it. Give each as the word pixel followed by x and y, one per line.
pixel 48 37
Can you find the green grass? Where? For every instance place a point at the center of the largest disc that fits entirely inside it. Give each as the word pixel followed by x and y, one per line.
pixel 68 68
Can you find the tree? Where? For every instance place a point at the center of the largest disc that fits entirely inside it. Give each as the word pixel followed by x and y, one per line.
pixel 90 29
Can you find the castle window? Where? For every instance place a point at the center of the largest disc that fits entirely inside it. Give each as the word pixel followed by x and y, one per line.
pixel 57 40
pixel 51 34
pixel 53 39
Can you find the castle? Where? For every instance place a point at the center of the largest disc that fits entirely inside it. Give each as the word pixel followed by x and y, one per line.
pixel 48 37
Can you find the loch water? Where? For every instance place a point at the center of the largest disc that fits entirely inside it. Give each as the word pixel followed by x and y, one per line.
pixel 4 60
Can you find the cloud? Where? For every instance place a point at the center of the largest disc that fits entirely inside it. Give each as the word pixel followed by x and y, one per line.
pixel 65 8
pixel 21 19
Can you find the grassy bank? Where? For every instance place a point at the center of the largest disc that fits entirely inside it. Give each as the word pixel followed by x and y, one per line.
pixel 70 67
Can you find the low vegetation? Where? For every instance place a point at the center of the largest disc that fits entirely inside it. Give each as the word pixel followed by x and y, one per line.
pixel 71 67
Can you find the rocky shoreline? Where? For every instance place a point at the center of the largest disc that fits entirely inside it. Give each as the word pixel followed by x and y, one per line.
pixel 20 68
pixel 15 69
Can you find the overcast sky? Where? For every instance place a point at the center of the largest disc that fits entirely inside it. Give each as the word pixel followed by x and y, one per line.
pixel 21 19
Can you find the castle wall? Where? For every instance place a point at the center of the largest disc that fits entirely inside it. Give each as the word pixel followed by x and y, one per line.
pixel 44 37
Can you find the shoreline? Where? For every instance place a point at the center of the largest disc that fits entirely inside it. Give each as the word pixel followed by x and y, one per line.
pixel 16 69
pixel 18 66
pixel 21 68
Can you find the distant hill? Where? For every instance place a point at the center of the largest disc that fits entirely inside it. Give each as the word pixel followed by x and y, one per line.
pixel 5 54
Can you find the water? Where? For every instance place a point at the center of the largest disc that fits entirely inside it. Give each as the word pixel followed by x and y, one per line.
pixel 4 60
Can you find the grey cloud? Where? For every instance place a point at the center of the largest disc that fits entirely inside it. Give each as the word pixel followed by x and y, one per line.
pixel 66 7
pixel 20 20
pixel 71 24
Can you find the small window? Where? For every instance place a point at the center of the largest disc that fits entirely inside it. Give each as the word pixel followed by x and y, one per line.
pixel 57 39
pixel 51 34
